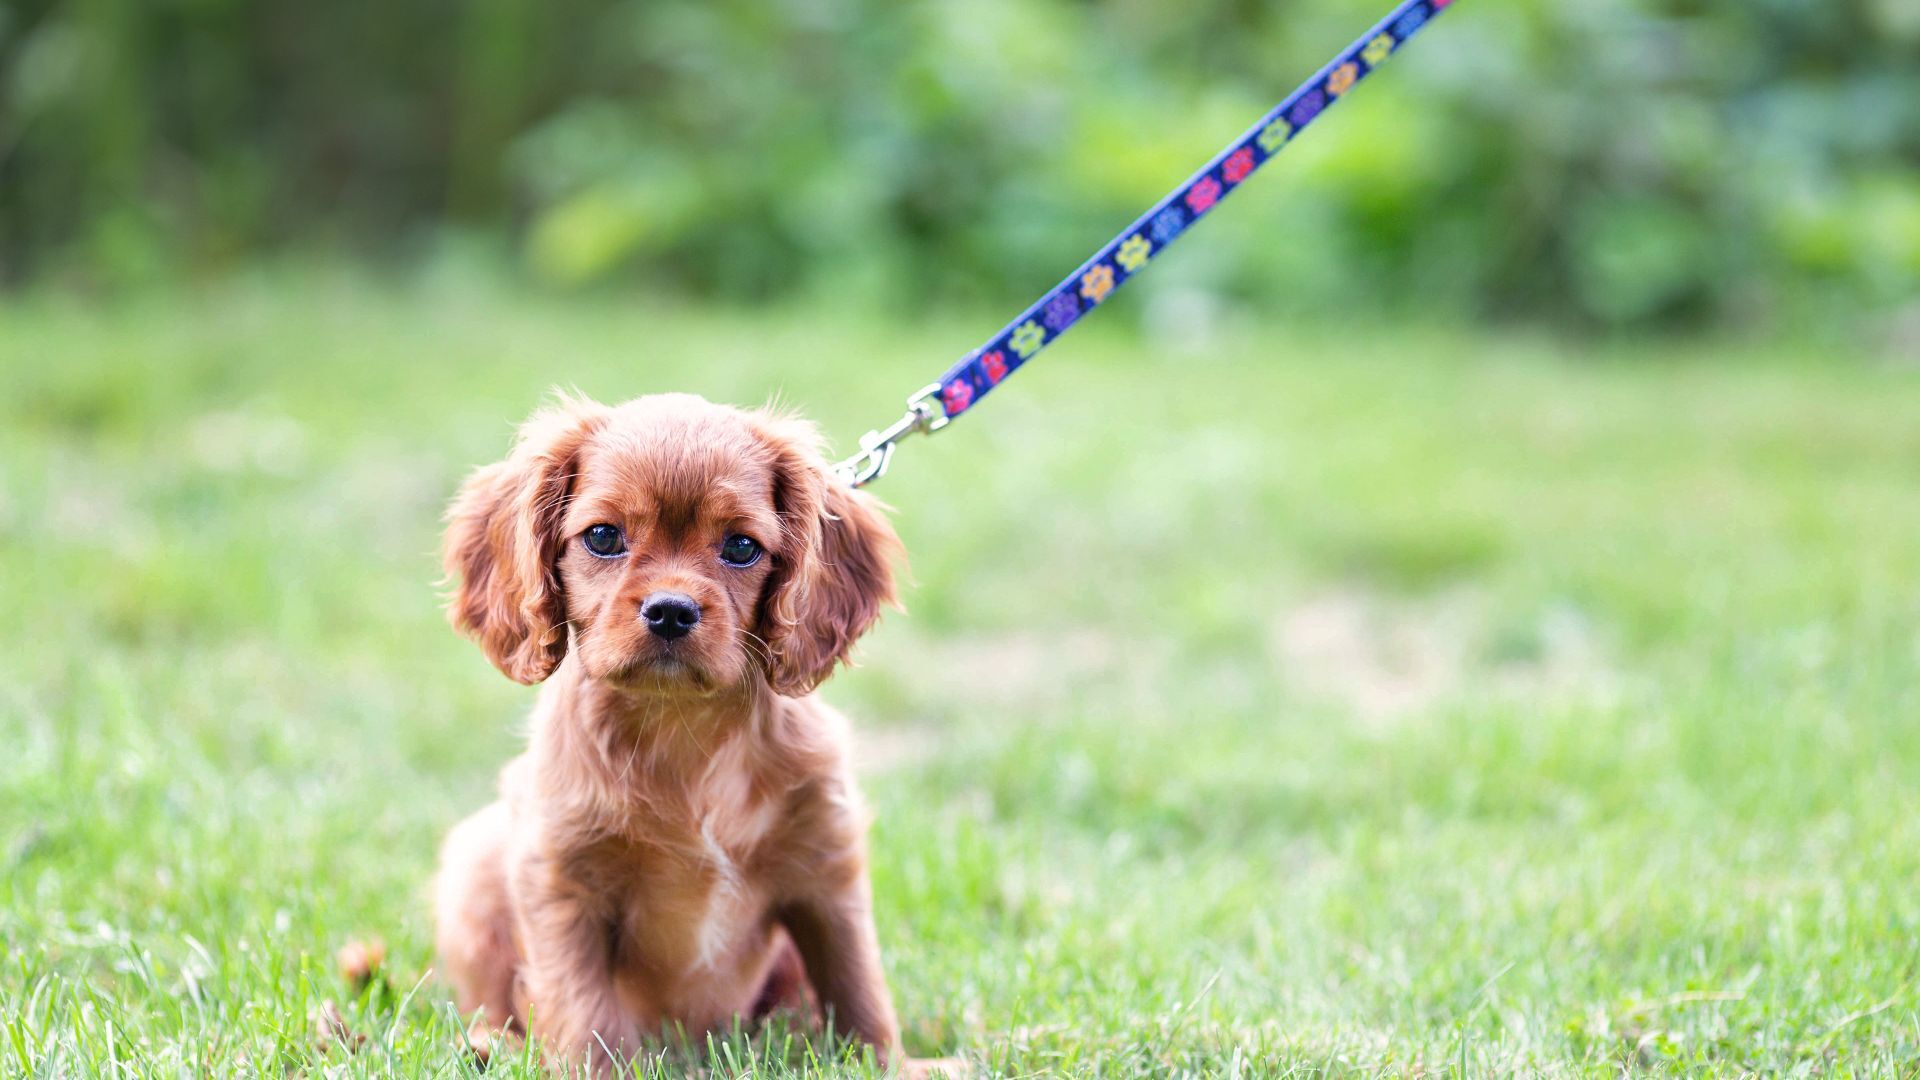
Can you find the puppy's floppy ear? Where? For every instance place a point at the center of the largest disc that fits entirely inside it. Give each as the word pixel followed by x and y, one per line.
pixel 834 571
pixel 503 541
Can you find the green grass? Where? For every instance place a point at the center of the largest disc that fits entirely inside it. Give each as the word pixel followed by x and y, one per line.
pixel 1322 701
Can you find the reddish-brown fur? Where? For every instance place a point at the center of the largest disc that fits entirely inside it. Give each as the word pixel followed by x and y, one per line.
pixel 682 841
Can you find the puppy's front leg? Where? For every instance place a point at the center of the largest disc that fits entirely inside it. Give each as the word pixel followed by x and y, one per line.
pixel 834 932
pixel 568 941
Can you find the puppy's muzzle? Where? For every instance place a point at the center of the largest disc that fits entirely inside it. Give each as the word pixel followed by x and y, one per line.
pixel 670 615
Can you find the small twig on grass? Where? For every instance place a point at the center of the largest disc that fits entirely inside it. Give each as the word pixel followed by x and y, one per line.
pixel 1183 1012
pixel 1189 1006
pixel 1861 1014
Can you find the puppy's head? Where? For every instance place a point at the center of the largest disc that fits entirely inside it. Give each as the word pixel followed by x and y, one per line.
pixel 673 544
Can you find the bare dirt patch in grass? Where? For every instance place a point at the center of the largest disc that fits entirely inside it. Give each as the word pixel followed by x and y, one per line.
pixel 1384 658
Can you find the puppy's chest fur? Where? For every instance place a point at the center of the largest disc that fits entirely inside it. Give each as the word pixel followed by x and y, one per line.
pixel 696 891
pixel 686 869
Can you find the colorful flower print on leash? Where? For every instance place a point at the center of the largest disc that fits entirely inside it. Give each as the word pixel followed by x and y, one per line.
pixel 1061 311
pixel 1168 223
pixel 956 396
pixel 1027 339
pixel 1238 165
pixel 1203 195
pixel 1307 107
pixel 1096 283
pixel 1275 135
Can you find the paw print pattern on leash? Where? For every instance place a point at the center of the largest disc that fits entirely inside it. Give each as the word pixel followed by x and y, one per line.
pixel 1131 251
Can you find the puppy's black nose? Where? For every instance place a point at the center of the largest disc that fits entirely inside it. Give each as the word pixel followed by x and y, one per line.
pixel 670 614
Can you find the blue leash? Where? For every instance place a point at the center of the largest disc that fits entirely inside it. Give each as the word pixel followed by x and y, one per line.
pixel 978 372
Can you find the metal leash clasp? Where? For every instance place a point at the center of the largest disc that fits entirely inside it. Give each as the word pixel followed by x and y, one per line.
pixel 924 414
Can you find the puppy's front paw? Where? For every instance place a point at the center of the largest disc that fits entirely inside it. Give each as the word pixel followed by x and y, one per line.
pixel 482 1036
pixel 604 1044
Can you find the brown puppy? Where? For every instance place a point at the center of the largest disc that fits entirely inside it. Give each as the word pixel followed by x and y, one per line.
pixel 682 842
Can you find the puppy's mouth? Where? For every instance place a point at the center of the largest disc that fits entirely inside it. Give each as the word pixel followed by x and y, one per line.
pixel 663 672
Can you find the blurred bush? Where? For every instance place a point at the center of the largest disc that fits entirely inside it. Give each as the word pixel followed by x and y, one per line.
pixel 1608 162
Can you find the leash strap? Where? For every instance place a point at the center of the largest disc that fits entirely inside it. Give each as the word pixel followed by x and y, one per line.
pixel 976 374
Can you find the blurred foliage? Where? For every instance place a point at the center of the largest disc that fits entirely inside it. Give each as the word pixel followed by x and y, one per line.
pixel 1609 162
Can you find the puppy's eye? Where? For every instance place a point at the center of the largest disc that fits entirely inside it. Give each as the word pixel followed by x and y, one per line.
pixel 604 540
pixel 739 550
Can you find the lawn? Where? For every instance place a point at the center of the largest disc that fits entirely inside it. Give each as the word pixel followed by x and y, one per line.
pixel 1316 701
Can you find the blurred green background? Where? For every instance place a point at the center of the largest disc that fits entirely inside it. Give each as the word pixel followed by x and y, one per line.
pixel 1607 163
pixel 1457 615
